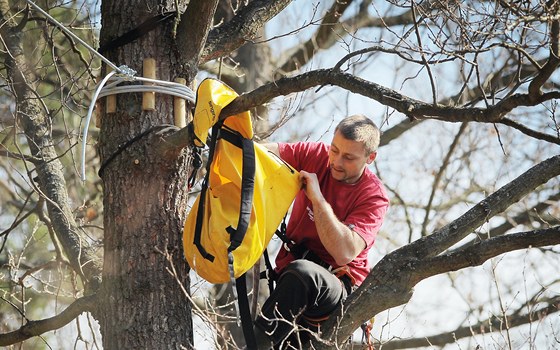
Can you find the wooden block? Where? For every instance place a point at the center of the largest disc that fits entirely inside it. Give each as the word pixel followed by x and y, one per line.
pixel 180 107
pixel 149 71
pixel 111 100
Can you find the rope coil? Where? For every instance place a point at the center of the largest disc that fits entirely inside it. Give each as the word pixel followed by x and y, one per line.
pixel 105 88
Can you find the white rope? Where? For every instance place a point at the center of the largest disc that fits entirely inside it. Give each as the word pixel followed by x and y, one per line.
pixel 88 119
pixel 159 86
pixel 117 76
pixel 104 89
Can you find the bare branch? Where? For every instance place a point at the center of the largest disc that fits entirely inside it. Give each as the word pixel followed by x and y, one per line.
pixel 413 108
pixel 423 54
pixel 329 30
pixel 554 54
pixel 480 252
pixel 525 217
pixel 243 27
pixel 397 130
pixel 36 328
pixel 35 122
pixel 406 105
pixel 483 327
pixel 494 204
pixel 439 175
pixel 530 132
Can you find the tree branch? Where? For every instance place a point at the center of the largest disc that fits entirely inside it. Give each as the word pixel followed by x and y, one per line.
pixel 525 217
pixel 391 98
pixel 416 261
pixel 492 205
pixel 35 122
pixel 192 32
pixel 480 252
pixel 489 325
pixel 553 8
pixel 243 27
pixel 437 178
pixel 397 130
pixel 329 30
pixel 35 328
pixel 530 132
pixel 413 108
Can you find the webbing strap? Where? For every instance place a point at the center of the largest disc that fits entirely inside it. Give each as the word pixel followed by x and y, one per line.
pixel 247 186
pixel 236 235
pixel 269 273
pixel 202 198
pixel 128 37
pixel 245 312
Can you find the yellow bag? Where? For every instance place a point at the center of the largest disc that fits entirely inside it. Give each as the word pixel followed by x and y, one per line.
pixel 234 227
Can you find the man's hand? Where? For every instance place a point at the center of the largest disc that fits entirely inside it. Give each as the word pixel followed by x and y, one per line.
pixel 310 184
pixel 341 242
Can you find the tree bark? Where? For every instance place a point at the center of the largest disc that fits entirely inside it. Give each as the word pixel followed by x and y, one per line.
pixel 145 199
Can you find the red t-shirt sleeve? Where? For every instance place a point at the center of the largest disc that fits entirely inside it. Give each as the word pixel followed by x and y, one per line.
pixel 297 153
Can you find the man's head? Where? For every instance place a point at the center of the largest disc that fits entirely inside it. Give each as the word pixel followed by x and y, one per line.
pixel 353 147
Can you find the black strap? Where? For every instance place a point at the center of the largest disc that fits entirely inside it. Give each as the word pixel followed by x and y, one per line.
pixel 269 274
pixel 124 146
pixel 247 186
pixel 298 250
pixel 236 235
pixel 245 313
pixel 281 233
pixel 196 164
pixel 202 198
pixel 128 37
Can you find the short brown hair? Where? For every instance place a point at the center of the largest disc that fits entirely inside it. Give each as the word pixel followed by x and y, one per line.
pixel 360 128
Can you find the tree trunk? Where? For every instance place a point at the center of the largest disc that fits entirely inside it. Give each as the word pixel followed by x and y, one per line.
pixel 145 199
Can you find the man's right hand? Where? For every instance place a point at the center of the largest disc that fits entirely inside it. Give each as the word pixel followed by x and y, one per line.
pixel 310 184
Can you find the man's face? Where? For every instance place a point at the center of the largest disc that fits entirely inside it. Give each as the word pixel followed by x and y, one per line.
pixel 348 159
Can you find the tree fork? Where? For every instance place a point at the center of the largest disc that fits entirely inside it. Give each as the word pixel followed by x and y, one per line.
pixel 415 262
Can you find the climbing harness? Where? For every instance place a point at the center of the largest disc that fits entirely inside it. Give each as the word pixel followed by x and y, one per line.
pixel 109 85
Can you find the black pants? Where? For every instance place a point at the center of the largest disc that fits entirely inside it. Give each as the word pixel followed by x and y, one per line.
pixel 306 294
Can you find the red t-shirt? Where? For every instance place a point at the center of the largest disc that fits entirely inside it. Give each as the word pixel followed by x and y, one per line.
pixel 361 206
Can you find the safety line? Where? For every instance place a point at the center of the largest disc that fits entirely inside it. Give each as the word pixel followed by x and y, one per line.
pixel 88 119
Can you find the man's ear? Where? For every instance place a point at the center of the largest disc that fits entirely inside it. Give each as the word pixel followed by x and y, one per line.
pixel 371 157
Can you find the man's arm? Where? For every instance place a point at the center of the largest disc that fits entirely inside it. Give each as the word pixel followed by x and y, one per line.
pixel 341 242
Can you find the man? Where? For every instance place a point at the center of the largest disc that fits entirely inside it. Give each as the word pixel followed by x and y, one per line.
pixel 333 224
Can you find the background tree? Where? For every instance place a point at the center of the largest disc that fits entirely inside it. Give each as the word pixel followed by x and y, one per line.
pixel 464 192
